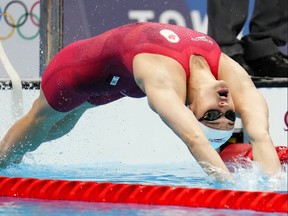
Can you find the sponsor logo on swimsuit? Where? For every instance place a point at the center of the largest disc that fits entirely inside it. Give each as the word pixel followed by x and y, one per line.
pixel 114 80
pixel 202 38
pixel 170 35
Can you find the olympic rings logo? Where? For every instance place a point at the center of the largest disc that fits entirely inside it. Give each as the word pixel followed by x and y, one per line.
pixel 12 23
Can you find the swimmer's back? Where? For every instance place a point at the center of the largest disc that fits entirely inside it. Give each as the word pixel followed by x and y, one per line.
pixel 84 70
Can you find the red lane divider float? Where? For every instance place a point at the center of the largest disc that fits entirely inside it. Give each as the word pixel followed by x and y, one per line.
pixel 240 150
pixel 142 194
pixel 152 194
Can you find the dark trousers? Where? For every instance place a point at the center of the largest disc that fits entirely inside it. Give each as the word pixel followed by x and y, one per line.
pixel 268 26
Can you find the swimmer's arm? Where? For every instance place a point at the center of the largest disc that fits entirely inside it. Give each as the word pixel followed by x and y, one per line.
pixel 253 110
pixel 182 121
pixel 165 87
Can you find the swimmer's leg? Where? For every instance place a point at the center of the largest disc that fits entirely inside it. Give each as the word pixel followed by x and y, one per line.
pixel 28 132
pixel 67 123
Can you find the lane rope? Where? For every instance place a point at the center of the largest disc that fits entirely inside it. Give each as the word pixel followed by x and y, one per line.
pixel 143 194
pixel 16 93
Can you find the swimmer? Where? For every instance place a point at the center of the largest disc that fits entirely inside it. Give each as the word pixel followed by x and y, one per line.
pixel 194 88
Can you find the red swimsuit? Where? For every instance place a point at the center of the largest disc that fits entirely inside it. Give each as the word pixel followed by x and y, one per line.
pixel 99 69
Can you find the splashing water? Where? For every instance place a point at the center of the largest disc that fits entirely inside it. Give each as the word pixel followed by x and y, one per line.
pixel 255 179
pixel 247 177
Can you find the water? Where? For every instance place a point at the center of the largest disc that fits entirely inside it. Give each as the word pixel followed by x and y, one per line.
pixel 176 174
pixel 31 207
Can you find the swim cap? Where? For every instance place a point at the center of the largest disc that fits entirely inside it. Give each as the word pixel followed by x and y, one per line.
pixel 216 137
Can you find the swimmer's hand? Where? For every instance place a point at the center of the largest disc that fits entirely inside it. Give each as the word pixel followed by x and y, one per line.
pixel 222 178
pixel 219 174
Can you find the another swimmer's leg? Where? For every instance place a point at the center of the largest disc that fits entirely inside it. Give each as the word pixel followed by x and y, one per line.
pixel 67 123
pixel 28 132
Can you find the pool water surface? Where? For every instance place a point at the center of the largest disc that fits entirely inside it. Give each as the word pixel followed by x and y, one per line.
pixel 181 174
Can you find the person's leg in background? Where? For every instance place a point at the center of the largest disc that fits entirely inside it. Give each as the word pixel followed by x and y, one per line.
pixel 268 30
pixel 226 19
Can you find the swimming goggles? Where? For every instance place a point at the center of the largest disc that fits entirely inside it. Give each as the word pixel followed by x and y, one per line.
pixel 213 115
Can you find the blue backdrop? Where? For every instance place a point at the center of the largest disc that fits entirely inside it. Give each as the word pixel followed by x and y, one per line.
pixel 86 18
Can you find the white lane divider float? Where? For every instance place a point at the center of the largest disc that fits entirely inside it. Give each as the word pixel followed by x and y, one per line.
pixel 16 92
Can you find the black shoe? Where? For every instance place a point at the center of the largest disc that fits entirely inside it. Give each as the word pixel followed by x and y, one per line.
pixel 275 65
pixel 241 61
